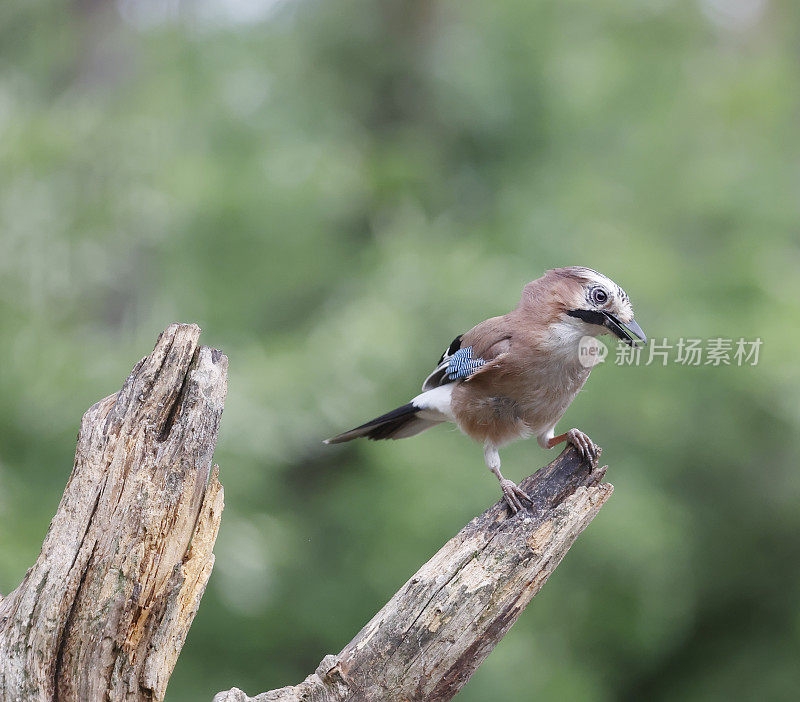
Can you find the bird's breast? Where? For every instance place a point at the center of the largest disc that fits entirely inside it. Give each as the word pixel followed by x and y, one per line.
pixel 514 403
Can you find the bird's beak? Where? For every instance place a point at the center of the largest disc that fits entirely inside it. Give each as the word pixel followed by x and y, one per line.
pixel 629 332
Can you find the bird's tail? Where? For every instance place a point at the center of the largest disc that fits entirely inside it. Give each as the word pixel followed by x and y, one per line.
pixel 400 423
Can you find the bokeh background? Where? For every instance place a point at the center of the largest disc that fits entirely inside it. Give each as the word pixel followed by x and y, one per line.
pixel 333 191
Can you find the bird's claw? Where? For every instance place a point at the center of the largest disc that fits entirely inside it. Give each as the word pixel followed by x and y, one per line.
pixel 513 494
pixel 586 447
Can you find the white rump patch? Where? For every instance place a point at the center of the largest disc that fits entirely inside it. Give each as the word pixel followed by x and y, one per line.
pixel 435 404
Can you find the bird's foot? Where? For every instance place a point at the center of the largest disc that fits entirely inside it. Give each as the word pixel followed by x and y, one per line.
pixel 513 494
pixel 586 447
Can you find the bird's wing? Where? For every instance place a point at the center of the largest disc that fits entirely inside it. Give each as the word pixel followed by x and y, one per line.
pixel 477 350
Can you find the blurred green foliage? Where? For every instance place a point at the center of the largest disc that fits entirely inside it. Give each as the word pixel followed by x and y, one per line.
pixel 333 191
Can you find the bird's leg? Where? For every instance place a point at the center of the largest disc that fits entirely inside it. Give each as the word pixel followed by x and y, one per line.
pixel 586 447
pixel 511 491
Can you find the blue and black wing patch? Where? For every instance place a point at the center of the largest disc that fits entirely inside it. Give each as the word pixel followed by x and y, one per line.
pixel 462 364
pixel 455 364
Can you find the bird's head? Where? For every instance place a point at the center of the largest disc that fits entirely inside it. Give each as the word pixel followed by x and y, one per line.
pixel 587 301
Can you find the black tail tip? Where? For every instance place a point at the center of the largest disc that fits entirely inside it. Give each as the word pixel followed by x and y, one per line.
pixel 379 428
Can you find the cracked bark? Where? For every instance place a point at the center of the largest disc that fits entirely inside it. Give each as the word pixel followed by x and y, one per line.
pixel 104 611
pixel 440 626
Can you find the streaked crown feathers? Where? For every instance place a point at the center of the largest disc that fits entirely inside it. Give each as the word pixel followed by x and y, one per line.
pixel 574 287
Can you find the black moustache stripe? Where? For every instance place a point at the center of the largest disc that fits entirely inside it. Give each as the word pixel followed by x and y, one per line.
pixel 590 316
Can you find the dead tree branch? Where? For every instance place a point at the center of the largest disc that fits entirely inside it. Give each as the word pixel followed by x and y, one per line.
pixel 434 633
pixel 104 611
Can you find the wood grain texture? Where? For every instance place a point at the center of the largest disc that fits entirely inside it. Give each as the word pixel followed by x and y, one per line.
pixel 439 627
pixel 104 611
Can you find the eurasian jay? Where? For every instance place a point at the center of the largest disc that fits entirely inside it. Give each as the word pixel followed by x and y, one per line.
pixel 513 377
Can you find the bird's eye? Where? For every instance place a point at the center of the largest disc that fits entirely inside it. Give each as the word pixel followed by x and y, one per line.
pixel 598 296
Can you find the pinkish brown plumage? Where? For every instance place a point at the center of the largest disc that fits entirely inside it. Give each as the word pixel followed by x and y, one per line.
pixel 513 377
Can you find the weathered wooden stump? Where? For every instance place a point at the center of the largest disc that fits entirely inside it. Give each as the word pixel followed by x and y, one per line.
pixel 104 611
